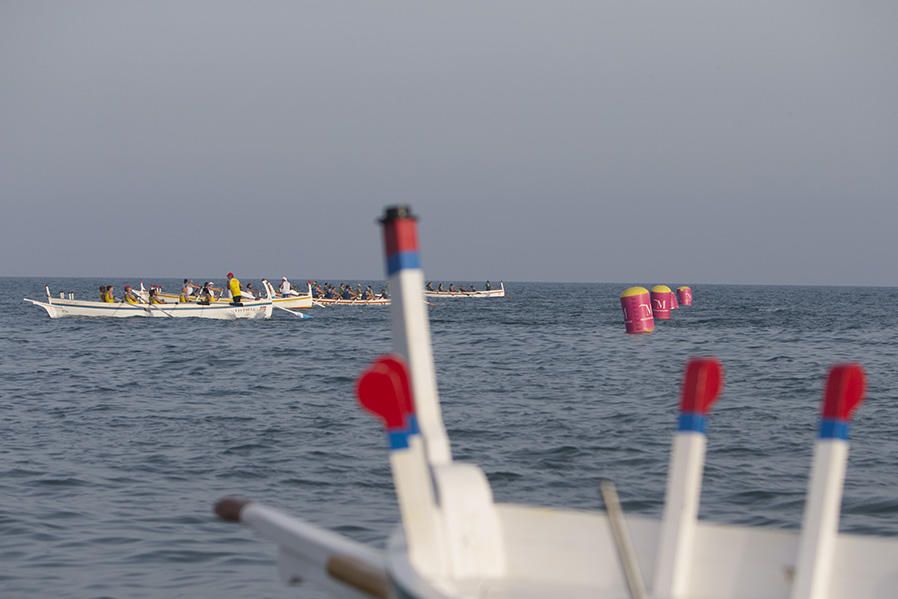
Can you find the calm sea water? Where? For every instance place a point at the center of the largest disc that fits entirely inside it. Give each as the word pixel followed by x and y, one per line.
pixel 117 436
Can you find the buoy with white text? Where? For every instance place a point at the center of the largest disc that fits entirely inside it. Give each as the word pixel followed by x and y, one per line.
pixel 661 302
pixel 684 295
pixel 637 307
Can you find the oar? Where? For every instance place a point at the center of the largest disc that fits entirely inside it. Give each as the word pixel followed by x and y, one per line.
pixel 816 565
pixel 151 306
pixel 622 543
pixel 702 385
pixel 297 314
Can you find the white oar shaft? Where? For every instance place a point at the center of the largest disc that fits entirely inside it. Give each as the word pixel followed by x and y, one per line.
pixel 411 339
pixel 844 392
pixel 684 481
pixel 702 384
pixel 294 313
pixel 820 524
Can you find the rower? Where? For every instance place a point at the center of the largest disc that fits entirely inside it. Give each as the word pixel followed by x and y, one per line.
pixel 429 286
pixel 451 287
pixel 440 287
pixel 286 288
pixel 186 292
pixel 102 293
pixel 109 297
pixel 234 287
pixel 207 295
pixel 154 296
pixel 250 291
pixel 488 286
pixel 129 296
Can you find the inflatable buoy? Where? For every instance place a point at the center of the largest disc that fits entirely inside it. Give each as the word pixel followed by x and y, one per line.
pixel 661 302
pixel 637 309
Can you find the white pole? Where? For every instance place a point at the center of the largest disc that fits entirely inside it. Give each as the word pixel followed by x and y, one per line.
pixel 701 387
pixel 820 525
pixel 411 329
pixel 382 390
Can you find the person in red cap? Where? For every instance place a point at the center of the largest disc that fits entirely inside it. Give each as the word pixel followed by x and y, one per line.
pixel 234 286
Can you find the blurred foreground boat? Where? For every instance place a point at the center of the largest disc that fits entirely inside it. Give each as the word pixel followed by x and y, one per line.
pixel 454 541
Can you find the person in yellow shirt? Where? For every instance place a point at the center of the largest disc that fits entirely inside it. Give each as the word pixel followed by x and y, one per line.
pixel 129 296
pixel 109 297
pixel 234 286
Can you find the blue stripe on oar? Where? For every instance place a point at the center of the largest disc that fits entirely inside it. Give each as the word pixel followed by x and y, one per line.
pixel 398 439
pixel 691 422
pixel 833 429
pixel 402 261
pixel 412 421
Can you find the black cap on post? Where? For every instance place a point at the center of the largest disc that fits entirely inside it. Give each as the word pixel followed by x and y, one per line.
pixel 396 212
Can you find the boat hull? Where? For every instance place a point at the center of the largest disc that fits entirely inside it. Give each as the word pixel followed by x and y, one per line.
pixel 342 302
pixel 59 308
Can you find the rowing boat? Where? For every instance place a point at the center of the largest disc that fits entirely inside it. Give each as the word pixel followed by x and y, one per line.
pixel 377 301
pixel 500 292
pixel 61 307
pixel 456 542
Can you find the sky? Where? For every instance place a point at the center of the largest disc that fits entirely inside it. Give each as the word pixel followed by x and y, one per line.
pixel 717 141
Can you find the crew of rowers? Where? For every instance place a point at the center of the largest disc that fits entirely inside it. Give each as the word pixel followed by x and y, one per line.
pixel 346 292
pixel 453 289
pixel 205 295
pixel 129 296
pixel 190 292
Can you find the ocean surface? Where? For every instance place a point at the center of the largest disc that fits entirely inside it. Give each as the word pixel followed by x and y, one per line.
pixel 117 436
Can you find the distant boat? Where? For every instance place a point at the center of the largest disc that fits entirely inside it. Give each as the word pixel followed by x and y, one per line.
pixel 454 541
pixel 334 301
pixel 500 292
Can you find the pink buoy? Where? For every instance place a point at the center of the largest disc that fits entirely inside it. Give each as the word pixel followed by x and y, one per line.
pixel 637 309
pixel 673 301
pixel 661 302
pixel 684 294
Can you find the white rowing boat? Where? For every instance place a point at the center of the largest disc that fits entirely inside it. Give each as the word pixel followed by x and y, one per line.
pixel 60 307
pixel 500 292
pixel 377 301
pixel 455 542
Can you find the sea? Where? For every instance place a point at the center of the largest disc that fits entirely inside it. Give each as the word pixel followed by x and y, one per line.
pixel 117 436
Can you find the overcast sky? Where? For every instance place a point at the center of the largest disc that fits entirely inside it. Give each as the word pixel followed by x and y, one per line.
pixel 682 141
